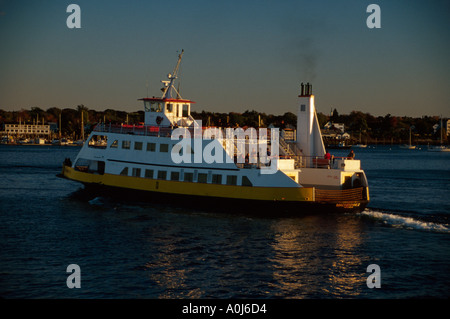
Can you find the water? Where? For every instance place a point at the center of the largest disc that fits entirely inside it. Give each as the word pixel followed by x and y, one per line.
pixel 135 250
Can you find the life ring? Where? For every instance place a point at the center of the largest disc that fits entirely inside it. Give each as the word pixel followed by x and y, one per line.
pixel 159 120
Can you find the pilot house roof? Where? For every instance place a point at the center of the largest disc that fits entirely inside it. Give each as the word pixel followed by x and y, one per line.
pixel 158 99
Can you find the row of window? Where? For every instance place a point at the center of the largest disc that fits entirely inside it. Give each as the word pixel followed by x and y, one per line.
pixel 186 176
pixel 153 106
pixel 139 146
pixel 27 126
pixel 27 131
pixel 149 147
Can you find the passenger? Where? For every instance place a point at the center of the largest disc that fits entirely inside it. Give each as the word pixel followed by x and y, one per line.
pixel 351 155
pixel 327 156
pixel 268 157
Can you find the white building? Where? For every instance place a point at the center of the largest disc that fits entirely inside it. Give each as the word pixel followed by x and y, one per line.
pixel 340 127
pixel 27 129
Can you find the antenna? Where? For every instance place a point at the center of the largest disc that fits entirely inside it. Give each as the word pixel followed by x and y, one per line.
pixel 175 71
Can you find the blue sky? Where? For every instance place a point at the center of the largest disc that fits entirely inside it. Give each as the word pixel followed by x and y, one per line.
pixel 239 55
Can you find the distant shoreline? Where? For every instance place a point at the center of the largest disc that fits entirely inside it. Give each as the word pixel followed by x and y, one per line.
pixel 35 144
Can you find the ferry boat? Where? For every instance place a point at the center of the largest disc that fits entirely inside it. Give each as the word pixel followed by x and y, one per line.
pixel 138 161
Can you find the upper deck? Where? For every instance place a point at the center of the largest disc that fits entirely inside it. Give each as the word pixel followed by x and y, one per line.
pixel 290 157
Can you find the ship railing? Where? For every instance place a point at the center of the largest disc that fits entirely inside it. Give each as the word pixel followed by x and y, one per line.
pixel 162 131
pixel 321 162
pixel 298 161
pixel 146 130
pixel 301 161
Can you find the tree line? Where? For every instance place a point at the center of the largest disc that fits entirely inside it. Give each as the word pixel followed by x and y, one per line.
pixel 372 129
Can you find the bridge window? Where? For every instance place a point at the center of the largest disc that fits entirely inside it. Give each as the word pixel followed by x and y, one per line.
pixel 185 110
pixel 156 107
pixel 153 106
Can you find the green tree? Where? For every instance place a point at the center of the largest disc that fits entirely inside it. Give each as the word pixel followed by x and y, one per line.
pixel 357 122
pixel 53 114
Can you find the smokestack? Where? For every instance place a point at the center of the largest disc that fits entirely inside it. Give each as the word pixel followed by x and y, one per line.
pixel 309 137
pixel 308 90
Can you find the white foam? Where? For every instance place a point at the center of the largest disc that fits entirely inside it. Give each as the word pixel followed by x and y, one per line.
pixel 406 222
pixel 97 201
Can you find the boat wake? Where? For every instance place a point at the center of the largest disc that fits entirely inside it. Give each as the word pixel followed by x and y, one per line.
pixel 398 221
pixel 97 201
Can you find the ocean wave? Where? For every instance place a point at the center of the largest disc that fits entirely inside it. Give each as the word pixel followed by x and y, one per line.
pixel 395 220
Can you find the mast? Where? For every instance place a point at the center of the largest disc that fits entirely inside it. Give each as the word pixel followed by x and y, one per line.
pixel 175 71
pixel 82 126
pixel 410 136
pixel 168 85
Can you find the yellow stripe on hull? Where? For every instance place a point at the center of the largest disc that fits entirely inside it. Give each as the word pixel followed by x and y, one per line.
pixel 291 194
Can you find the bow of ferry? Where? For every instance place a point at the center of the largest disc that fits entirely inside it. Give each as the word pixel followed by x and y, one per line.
pixel 136 161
